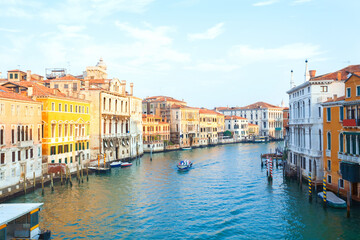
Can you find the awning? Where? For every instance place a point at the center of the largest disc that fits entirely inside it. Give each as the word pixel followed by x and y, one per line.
pixel 350 171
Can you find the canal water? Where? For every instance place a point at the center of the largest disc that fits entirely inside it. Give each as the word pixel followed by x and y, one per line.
pixel 224 196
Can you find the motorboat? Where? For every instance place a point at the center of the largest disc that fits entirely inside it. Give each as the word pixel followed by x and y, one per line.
pixel 115 164
pixel 186 148
pixel 184 165
pixel 126 164
pixel 332 200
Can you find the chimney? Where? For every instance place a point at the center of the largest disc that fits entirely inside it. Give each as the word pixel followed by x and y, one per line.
pixel 131 89
pixel 339 76
pixel 335 96
pixel 123 85
pixel 30 91
pixel 87 85
pixel 312 73
pixel 28 75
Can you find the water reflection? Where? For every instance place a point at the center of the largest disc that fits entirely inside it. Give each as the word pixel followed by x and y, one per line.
pixel 224 195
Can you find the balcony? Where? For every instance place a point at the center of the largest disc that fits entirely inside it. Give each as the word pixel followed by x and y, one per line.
pixel 328 153
pixel 81 138
pixel 351 122
pixel 28 143
pixel 349 157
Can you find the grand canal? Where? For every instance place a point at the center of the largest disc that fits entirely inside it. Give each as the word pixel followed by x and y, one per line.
pixel 224 196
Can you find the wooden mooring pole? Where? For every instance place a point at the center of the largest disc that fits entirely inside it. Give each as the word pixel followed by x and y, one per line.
pixel 310 190
pixel 34 182
pixel 87 173
pixel 70 177
pixel 82 174
pixel 42 184
pixel 52 181
pixel 61 177
pixel 24 183
pixel 324 191
pixel 348 204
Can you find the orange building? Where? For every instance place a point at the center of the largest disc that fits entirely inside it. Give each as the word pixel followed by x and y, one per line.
pixel 156 132
pixel 341 136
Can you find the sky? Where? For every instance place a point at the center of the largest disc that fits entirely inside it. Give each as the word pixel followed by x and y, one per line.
pixel 210 53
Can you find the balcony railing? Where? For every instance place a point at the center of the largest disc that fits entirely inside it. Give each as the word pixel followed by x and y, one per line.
pixel 28 143
pixel 349 157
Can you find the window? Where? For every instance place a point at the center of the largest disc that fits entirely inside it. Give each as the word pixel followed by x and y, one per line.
pixel 66 106
pixel 12 136
pixel 2 140
pixel 59 107
pixel 19 155
pixel 341 142
pixel 53 150
pixel 324 88
pixel 341 114
pixel 11 76
pixel 2 158
pixel 60 130
pixel 66 85
pixel 13 158
pixel 341 183
pixel 329 179
pixel 329 165
pixel 71 108
pixel 52 106
pixel 264 124
pixel 53 130
pixel 56 86
pixel 328 114
pixel 319 112
pixel 329 141
pixel 348 92
pixel 34 219
pixel 357 90
pixel 16 76
pixel 31 153
pixel 60 149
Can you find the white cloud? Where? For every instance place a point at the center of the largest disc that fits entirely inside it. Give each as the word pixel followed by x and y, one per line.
pixel 211 33
pixel 301 1
pixel 9 30
pixel 245 53
pixel 218 65
pixel 264 3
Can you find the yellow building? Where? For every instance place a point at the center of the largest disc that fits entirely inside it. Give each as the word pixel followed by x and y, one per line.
pixel 65 124
pixel 184 125
pixel 211 126
pixel 253 130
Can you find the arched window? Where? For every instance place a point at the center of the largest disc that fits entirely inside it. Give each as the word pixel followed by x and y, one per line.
pixel 341 142
pixel 109 104
pixel 320 144
pixel 104 103
pixel 329 141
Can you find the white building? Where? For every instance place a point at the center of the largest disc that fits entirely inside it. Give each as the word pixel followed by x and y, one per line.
pixel 20 138
pixel 136 134
pixel 268 117
pixel 306 120
pixel 239 126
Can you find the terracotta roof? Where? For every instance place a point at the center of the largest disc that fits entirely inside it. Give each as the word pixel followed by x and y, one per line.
pixel 338 75
pixel 68 77
pixel 207 111
pixel 259 105
pixel 40 90
pixel 5 93
pixel 163 98
pixel 182 106
pixel 234 117
pixel 16 70
pixel 336 99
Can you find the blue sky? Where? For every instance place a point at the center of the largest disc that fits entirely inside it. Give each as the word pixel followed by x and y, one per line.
pixel 209 53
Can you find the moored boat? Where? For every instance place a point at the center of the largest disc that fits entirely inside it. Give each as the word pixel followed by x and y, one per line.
pixel 126 164
pixel 332 200
pixel 100 169
pixel 115 164
pixel 186 148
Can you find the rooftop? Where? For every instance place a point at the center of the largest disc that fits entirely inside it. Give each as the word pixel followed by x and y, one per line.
pixel 12 211
pixel 339 75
